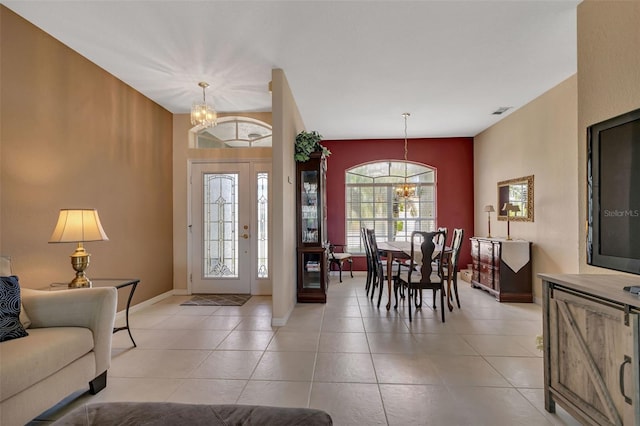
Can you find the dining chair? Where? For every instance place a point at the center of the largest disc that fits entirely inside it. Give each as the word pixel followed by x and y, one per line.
pixel 456 244
pixel 338 258
pixel 426 271
pixel 370 266
pixel 379 266
pixel 442 239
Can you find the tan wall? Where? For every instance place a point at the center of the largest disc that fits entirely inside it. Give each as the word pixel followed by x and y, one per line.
pixel 74 136
pixel 181 156
pixel 287 123
pixel 608 80
pixel 538 139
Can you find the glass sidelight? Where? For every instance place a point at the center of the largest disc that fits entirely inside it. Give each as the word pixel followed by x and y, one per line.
pixel 262 201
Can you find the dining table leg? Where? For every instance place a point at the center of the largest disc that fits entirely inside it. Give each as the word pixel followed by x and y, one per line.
pixel 389 277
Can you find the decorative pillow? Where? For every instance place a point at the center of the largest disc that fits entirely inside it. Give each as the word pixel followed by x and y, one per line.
pixel 10 326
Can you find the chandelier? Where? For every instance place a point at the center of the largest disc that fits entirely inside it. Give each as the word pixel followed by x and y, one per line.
pixel 203 114
pixel 407 190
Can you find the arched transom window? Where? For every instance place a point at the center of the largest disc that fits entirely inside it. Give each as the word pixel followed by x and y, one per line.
pixel 235 132
pixel 393 197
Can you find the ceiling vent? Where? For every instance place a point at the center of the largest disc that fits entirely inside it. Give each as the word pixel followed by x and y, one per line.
pixel 501 110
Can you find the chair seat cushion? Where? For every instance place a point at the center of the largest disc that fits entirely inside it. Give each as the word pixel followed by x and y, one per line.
pixel 416 277
pixel 341 256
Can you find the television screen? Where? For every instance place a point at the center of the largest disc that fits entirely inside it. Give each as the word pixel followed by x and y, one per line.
pixel 614 193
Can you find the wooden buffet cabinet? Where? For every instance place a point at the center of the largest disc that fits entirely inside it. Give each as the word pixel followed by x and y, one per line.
pixel 503 268
pixel 590 335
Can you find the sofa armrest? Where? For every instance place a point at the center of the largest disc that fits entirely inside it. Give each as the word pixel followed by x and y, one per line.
pixel 93 308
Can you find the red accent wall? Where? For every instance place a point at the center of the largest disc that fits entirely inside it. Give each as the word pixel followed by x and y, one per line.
pixel 451 157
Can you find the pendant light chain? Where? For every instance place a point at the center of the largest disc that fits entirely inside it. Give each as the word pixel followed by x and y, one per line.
pixel 406 190
pixel 406 150
pixel 204 96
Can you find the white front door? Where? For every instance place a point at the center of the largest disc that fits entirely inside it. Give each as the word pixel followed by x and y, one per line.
pixel 229 228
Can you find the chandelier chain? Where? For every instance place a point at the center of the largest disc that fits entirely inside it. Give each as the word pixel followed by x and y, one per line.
pixel 406 150
pixel 407 190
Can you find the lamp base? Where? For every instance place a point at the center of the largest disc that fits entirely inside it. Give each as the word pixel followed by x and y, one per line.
pixel 80 262
pixel 80 281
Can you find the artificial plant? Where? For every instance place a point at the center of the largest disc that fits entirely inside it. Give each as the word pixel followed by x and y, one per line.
pixel 308 142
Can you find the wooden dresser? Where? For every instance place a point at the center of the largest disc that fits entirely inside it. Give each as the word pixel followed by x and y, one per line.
pixel 590 334
pixel 503 268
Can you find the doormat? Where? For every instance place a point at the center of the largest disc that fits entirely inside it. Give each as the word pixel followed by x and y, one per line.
pixel 217 300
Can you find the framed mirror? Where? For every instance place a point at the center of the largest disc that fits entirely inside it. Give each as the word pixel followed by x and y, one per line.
pixel 519 193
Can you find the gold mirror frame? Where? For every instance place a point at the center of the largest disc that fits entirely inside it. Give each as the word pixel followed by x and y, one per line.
pixel 506 189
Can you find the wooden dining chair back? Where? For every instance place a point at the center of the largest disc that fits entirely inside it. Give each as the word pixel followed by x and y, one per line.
pixel 379 266
pixel 338 257
pixel 370 265
pixel 456 245
pixel 378 269
pixel 426 271
pixel 441 240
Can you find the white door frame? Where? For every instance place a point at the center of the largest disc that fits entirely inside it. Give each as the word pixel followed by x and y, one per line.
pixel 259 286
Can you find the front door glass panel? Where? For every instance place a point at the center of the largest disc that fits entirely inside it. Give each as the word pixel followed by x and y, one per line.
pixel 220 240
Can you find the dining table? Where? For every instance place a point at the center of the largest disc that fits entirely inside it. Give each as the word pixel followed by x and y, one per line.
pixel 400 250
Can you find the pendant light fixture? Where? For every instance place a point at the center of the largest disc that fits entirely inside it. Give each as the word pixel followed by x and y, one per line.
pixel 406 190
pixel 203 114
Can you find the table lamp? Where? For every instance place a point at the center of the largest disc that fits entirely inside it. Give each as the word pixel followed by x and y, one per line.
pixel 78 226
pixel 489 209
pixel 508 208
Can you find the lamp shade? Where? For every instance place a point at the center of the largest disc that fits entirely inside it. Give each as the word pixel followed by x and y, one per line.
pixel 78 225
pixel 489 209
pixel 508 207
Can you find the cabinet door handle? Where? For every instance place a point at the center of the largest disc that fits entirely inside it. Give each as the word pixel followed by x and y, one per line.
pixel 627 360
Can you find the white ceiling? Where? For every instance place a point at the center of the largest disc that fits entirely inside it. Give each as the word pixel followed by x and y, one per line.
pixel 353 66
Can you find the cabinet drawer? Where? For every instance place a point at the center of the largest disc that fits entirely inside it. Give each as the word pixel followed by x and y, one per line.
pixel 486 268
pixel 497 255
pixel 486 250
pixel 486 279
pixel 475 249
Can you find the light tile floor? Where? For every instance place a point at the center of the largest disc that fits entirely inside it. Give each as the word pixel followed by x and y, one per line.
pixel 363 365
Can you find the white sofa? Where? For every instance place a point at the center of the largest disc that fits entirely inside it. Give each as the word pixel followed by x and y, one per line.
pixel 68 349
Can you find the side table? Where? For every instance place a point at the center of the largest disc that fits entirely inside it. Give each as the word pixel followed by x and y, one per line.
pixel 118 283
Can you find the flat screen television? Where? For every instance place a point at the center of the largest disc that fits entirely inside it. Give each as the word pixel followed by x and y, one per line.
pixel 613 173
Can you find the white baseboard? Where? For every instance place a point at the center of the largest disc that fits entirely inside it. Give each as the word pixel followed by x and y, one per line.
pixel 276 322
pixel 282 321
pixel 121 315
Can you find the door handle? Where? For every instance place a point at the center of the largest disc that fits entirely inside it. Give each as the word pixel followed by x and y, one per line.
pixel 245 236
pixel 627 360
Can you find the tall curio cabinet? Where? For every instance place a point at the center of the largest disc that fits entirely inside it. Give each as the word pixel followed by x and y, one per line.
pixel 311 229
